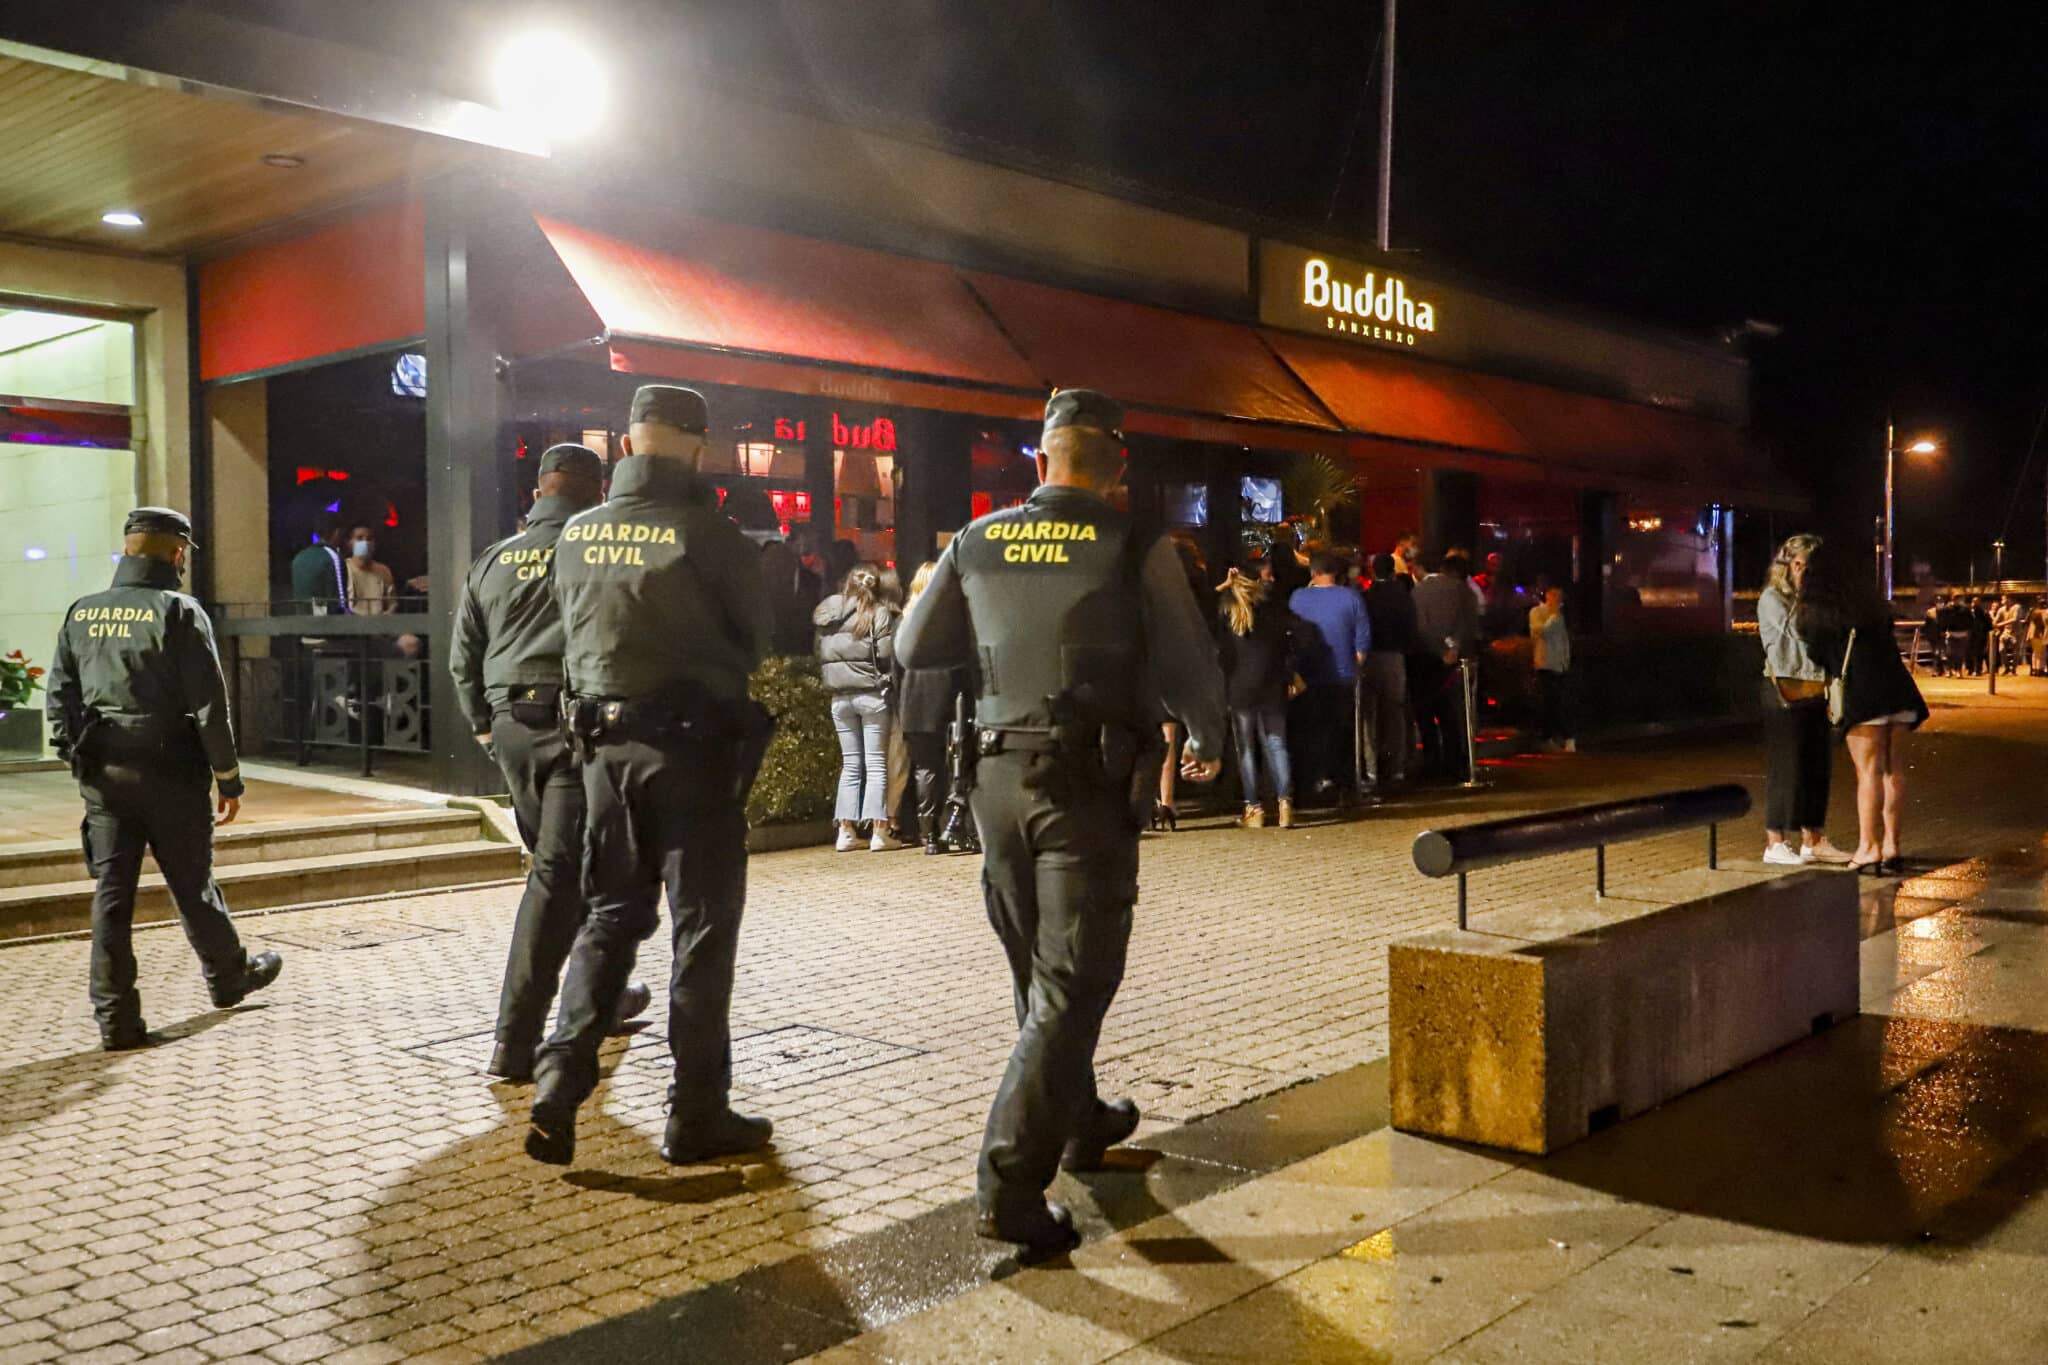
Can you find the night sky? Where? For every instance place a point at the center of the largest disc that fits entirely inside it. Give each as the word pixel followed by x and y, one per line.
pixel 1867 176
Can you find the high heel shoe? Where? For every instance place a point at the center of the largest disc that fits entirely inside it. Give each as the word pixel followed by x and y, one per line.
pixel 1894 866
pixel 1873 868
pixel 1164 817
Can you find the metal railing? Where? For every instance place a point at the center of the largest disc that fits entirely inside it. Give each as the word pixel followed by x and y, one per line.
pixel 330 683
pixel 1494 843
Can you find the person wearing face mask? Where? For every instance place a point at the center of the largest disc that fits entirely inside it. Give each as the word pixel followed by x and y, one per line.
pixel 372 591
pixel 140 710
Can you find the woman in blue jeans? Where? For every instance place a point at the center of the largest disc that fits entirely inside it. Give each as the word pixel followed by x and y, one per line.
pixel 1258 654
pixel 857 647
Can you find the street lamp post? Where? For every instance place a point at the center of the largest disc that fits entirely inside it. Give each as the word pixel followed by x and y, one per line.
pixel 1923 446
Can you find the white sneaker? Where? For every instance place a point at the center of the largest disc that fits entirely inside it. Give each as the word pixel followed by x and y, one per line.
pixel 846 840
pixel 1783 855
pixel 878 842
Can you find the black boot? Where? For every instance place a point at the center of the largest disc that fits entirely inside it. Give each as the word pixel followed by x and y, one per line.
pixel 689 1141
pixel 127 1037
pixel 512 1062
pixel 633 1002
pixel 1102 1128
pixel 551 1132
pixel 258 971
pixel 1042 1230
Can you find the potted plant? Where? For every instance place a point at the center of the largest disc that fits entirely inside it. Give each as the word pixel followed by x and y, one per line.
pixel 21 725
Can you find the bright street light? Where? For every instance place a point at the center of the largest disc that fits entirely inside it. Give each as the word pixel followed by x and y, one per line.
pixel 1926 445
pixel 553 86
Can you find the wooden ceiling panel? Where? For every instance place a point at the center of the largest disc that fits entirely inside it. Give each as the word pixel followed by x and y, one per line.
pixel 74 146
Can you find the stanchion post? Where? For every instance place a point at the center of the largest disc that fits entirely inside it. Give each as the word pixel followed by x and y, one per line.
pixel 1461 900
pixel 1468 680
pixel 1713 848
pixel 1600 872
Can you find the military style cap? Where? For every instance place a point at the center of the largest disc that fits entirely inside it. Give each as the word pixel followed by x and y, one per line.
pixel 163 521
pixel 570 458
pixel 671 406
pixel 1084 408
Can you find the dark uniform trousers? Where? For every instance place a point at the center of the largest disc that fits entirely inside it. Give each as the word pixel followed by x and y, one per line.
pixel 168 810
pixel 1060 879
pixel 547 803
pixel 661 814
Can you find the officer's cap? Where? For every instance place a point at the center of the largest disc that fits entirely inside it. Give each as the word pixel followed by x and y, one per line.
pixel 671 406
pixel 1084 408
pixel 162 521
pixel 570 458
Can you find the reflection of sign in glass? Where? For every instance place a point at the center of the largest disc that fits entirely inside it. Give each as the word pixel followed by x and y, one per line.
pixel 1312 292
pixel 1187 504
pixel 1262 500
pixel 879 434
pixel 409 375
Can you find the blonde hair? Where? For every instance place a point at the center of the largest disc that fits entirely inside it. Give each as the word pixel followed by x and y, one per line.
pixel 921 580
pixel 1781 563
pixel 1240 596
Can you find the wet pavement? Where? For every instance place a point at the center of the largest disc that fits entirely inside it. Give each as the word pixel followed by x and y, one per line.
pixel 323 1175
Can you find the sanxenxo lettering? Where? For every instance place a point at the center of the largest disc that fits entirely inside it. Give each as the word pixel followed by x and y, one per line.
pixel 1377 306
pixel 1038 542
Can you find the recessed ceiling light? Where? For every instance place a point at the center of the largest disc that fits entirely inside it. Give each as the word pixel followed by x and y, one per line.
pixel 121 218
pixel 284 161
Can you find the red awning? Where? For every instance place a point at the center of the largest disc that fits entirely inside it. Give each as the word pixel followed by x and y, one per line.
pixel 1380 394
pixel 744 293
pixel 1153 358
pixel 345 287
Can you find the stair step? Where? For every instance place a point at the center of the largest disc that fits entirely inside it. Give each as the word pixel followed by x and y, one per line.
pixel 63 907
pixel 60 860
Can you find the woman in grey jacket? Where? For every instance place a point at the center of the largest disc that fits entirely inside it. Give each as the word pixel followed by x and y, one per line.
pixel 857 647
pixel 1798 757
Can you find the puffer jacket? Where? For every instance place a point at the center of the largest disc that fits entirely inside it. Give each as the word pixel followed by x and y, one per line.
pixel 854 664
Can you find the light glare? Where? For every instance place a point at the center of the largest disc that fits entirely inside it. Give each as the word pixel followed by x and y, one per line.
pixel 550 84
pixel 121 218
pixel 1922 447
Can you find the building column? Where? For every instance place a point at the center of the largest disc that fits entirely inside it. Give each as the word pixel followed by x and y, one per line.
pixel 236 531
pixel 472 497
pixel 1450 512
pixel 1593 561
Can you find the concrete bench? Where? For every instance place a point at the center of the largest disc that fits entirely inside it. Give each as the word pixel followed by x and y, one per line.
pixel 1537 1026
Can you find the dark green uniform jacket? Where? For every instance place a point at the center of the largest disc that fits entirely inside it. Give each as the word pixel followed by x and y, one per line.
pixel 661 595
pixel 140 656
pixel 1054 596
pixel 508 629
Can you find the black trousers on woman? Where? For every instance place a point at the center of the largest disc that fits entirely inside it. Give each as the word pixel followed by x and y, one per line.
pixel 1798 759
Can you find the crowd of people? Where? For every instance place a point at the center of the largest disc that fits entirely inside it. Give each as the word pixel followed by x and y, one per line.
pixel 1347 678
pixel 1972 634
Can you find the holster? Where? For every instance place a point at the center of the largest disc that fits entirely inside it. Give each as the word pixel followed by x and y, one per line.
pixel 538 705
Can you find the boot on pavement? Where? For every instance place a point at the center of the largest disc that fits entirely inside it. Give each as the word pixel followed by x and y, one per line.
pixel 1041 1231
pixel 512 1062
pixel 551 1132
pixel 633 1002
pixel 688 1141
pixel 258 971
pixel 1106 1125
pixel 1286 813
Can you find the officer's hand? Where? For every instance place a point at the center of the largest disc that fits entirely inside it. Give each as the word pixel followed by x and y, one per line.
pixel 1201 770
pixel 227 809
pixel 485 740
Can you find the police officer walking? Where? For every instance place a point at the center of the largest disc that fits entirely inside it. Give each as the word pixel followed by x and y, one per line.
pixel 1081 631
pixel 664 622
pixel 141 713
pixel 506 658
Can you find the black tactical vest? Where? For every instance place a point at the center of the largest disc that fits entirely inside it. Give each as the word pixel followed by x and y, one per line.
pixel 1052 593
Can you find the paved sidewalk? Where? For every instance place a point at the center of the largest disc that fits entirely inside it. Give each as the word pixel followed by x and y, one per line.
pixel 324 1175
pixel 1873 1195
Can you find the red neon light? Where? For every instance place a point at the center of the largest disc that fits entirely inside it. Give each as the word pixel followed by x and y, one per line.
pixel 980 505
pixel 391 514
pixel 790 504
pixel 307 474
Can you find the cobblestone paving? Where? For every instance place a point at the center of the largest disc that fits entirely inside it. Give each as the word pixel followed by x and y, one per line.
pixel 324 1175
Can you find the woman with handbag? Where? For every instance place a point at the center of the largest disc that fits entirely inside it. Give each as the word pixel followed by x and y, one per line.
pixel 1797 755
pixel 856 629
pixel 1871 700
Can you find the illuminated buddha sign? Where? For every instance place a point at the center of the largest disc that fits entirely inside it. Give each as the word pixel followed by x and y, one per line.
pixel 1311 292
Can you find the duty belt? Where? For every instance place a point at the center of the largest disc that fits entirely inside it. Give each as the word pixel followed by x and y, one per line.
pixel 1015 739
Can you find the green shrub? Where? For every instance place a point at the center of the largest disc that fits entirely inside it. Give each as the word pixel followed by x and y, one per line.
pixel 800 773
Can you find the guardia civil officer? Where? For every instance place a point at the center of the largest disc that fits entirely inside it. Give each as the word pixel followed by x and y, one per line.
pixel 1081 632
pixel 506 658
pixel 141 712
pixel 664 621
